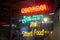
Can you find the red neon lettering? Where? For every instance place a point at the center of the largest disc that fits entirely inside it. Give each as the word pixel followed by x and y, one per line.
pixel 34 9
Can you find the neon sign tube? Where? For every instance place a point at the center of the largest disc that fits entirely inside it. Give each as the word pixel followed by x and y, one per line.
pixel 32 18
pixel 34 9
pixel 36 32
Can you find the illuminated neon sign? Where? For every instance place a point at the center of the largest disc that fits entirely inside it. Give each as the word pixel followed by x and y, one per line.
pixel 36 32
pixel 33 24
pixel 26 19
pixel 27 34
pixel 36 8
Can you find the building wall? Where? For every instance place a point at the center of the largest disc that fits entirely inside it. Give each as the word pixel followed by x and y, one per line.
pixel 57 26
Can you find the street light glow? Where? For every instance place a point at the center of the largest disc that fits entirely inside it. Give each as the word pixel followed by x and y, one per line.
pixel 45 19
